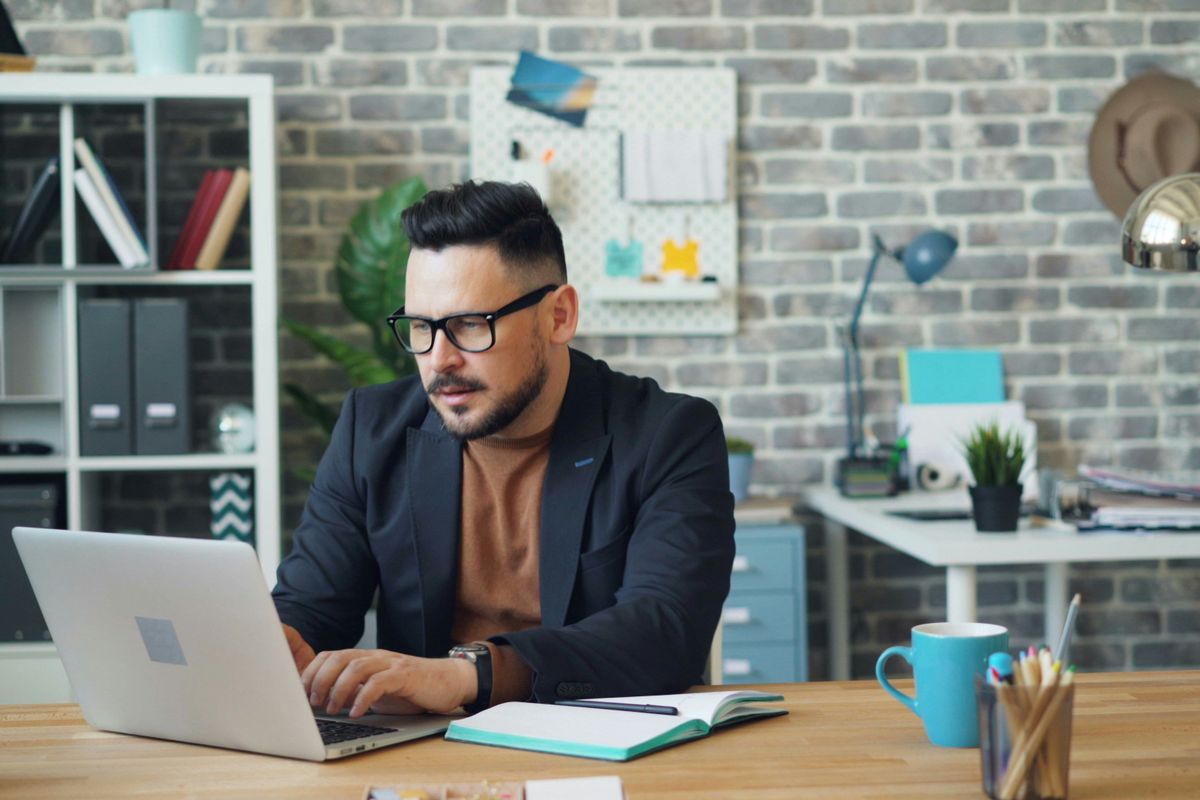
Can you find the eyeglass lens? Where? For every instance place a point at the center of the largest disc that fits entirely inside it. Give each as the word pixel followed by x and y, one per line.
pixel 470 332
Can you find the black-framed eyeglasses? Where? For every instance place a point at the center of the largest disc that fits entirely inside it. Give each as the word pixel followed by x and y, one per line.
pixel 471 331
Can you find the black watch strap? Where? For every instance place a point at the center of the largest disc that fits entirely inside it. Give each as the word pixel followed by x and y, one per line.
pixel 481 657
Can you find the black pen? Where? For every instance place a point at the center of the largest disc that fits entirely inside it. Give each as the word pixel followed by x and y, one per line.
pixel 644 709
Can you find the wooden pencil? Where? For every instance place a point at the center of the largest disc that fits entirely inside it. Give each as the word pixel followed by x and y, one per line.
pixel 1033 735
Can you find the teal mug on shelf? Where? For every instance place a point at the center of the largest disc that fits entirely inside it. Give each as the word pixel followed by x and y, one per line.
pixel 945 658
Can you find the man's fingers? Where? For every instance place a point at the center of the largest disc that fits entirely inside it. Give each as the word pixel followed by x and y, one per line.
pixel 386 682
pixel 353 674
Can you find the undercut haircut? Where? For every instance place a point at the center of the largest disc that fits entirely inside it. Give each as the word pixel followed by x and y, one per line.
pixel 511 216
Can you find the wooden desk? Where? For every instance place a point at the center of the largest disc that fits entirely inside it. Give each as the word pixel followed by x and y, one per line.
pixel 1136 735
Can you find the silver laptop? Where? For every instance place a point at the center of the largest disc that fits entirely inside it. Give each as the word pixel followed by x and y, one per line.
pixel 178 639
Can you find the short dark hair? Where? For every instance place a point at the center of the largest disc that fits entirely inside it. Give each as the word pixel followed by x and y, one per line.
pixel 510 215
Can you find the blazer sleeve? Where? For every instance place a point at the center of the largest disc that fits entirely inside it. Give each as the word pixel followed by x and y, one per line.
pixel 325 585
pixel 656 637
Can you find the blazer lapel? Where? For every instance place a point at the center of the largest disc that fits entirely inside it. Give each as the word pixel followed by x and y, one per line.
pixel 577 452
pixel 435 486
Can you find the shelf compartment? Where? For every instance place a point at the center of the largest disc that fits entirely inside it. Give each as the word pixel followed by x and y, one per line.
pixel 31 333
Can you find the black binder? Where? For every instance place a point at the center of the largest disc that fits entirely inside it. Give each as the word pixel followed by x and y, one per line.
pixel 105 379
pixel 160 376
pixel 35 501
pixel 39 208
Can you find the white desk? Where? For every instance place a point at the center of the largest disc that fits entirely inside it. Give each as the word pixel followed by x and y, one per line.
pixel 956 546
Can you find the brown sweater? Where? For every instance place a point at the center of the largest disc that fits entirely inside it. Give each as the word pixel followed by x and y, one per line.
pixel 498 588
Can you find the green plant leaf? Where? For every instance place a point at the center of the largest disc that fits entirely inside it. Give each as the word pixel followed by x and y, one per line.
pixel 362 367
pixel 312 408
pixel 995 458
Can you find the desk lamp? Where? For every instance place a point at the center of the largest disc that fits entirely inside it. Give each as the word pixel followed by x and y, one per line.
pixel 1161 231
pixel 858 474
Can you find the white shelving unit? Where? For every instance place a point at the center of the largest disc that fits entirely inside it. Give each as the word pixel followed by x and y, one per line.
pixel 44 402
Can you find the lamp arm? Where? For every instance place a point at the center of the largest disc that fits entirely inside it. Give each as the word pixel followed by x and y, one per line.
pixel 852 361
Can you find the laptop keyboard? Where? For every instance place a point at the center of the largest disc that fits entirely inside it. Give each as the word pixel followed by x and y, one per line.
pixel 338 732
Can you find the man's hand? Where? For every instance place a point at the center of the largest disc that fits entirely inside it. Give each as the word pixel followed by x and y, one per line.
pixel 302 654
pixel 387 682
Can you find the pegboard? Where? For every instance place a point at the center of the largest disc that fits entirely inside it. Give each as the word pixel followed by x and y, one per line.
pixel 585 188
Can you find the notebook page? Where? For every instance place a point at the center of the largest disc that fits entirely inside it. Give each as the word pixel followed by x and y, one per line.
pixel 589 727
pixel 705 706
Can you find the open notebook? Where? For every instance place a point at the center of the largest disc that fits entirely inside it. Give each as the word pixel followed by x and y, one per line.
pixel 607 734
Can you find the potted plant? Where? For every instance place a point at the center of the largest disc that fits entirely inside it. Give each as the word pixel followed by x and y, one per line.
pixel 165 41
pixel 741 464
pixel 995 459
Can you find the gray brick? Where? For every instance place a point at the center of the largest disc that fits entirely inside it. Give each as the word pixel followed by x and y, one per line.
pixel 407 107
pixel 1183 621
pixel 311 176
pixel 73 42
pixel 337 211
pixel 213 40
pixel 308 107
pixel 975 332
pixel 906 104
pixel 1063 329
pixel 782 206
pixel 664 8
pixel 901 35
pixel 1070 66
pixel 1181 62
pixel 774 404
pixel 812 304
pixel 1156 5
pixel 1092 231
pixel 890 334
pixel 1099 34
pixel 970 135
pixel 784 273
pixel 970 68
pixel 810 171
pixel 1004 234
pixel 921 302
pixel 285 73
pixel 978 201
pixel 447 71
pixel 1175 31
pixel 1031 364
pixel 1099 657
pixel 1001 34
pixel 1066 201
pixel 773 70
pixel 699 37
pixel 1014 300
pixel 781 472
pixel 871 70
pixel 800 37
pixel 296 212
pixel 987 267
pixel 1112 362
pixel 813 238
pixel 1060 6
pixel 1182 296
pixel 1185 361
pixel 908 170
pixel 1134 396
pixel 362 72
pixel 1049 396
pixel 1082 265
pixel 1060 133
pixel 865 7
pixel 977 6
pixel 1008 166
pixel 492 37
pixel 564 8
pixel 778 137
pixel 1005 101
pixel 782 338
pixel 389 38
pixel 811 370
pixel 806 437
pixel 380 9
pixel 1164 329
pixel 594 39
pixel 284 38
pixel 459 8
pixel 868 205
pixel 1118 622
pixel 673 346
pixel 766 8
pixel 447 140
pixel 811 105
pixel 1081 99
pixel 1113 296
pixel 271 9
pixel 722 373
pixel 876 137
pixel 37 10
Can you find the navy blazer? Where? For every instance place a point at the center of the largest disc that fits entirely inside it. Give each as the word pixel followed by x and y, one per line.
pixel 636 540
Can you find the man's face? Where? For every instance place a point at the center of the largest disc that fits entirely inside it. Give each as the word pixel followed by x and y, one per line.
pixel 476 394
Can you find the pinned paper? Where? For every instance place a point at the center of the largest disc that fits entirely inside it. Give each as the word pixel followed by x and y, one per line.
pixel 553 88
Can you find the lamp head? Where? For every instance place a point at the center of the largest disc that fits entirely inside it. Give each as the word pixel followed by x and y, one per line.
pixel 1162 228
pixel 927 255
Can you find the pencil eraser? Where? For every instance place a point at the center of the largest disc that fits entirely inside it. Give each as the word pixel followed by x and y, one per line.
pixel 1002 662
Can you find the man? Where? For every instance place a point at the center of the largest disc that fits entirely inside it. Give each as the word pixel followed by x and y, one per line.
pixel 567 528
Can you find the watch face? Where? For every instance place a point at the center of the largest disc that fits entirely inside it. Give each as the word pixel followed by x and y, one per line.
pixel 469 651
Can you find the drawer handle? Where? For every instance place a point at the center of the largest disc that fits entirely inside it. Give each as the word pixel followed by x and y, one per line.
pixel 741 564
pixel 736 616
pixel 736 666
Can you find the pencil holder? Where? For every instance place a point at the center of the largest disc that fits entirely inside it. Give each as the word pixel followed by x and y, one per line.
pixel 1025 740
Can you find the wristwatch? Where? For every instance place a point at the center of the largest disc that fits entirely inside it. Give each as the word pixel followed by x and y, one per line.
pixel 481 657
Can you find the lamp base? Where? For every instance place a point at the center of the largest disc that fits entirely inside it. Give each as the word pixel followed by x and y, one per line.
pixel 865 476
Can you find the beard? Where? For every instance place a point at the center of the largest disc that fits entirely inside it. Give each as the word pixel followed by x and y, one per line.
pixel 503 413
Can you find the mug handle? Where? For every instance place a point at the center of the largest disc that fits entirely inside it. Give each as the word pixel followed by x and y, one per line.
pixel 906 654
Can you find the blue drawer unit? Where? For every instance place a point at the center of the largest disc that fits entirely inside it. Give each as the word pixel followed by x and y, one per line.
pixel 765 620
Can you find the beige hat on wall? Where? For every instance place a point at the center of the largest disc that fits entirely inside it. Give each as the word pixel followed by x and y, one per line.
pixel 1147 130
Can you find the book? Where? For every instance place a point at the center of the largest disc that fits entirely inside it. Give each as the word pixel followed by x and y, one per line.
pixel 210 203
pixel 228 212
pixel 190 221
pixel 106 189
pixel 951 376
pixel 104 219
pixel 607 734
pixel 1183 484
pixel 35 214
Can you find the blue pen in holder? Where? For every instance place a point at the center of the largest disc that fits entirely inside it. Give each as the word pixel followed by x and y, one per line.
pixel 1042 762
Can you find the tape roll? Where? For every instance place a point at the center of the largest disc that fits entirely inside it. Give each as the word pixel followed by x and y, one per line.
pixel 934 477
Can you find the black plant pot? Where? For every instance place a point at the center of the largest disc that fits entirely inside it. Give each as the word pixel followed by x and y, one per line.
pixel 996 508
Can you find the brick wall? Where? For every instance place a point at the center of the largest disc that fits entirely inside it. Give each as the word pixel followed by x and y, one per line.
pixel 857 116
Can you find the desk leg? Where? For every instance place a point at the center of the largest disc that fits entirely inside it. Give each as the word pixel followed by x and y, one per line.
pixel 837 576
pixel 1055 602
pixel 960 593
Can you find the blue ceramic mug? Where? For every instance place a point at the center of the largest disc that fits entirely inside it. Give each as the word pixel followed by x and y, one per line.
pixel 946 657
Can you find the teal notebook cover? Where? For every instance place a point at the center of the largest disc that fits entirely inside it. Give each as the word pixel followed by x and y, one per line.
pixel 606 734
pixel 953 376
